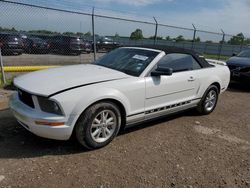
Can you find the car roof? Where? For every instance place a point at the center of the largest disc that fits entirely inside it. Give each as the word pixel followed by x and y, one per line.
pixel 172 49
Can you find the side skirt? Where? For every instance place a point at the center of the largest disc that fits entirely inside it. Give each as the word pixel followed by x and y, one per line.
pixel 160 112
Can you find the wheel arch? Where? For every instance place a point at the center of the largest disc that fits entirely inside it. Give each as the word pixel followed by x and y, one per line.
pixel 217 84
pixel 120 105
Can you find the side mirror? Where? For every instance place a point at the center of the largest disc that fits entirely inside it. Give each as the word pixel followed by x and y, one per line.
pixel 159 71
pixel 234 54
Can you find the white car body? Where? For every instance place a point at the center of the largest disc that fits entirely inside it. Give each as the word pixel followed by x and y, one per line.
pixel 75 88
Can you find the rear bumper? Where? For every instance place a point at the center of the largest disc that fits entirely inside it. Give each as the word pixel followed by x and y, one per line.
pixel 240 77
pixel 77 51
pixel 28 117
pixel 12 50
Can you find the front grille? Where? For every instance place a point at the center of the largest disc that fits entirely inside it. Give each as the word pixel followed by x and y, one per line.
pixel 26 98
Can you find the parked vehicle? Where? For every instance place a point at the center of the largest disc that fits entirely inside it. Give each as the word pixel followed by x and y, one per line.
pixel 126 86
pixel 67 45
pixel 86 45
pixel 11 44
pixel 35 45
pixel 239 66
pixel 106 44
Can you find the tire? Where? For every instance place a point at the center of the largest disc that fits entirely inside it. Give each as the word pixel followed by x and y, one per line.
pixel 208 101
pixel 92 126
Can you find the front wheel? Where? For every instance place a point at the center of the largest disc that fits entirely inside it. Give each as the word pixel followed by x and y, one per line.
pixel 98 125
pixel 209 101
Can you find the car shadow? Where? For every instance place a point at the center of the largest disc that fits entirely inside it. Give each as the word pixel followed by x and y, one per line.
pixel 16 142
pixel 239 87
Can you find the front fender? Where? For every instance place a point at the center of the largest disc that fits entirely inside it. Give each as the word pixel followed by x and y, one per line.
pixel 105 93
pixel 75 102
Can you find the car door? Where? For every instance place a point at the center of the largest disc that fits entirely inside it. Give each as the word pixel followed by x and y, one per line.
pixel 167 93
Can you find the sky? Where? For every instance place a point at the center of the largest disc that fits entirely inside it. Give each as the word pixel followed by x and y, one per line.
pixel 213 15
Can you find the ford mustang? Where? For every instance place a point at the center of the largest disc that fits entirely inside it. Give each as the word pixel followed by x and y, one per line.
pixel 127 86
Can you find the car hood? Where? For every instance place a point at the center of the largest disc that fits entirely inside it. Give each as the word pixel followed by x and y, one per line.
pixel 239 61
pixel 54 80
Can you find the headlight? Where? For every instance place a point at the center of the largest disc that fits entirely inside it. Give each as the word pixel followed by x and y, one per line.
pixel 49 106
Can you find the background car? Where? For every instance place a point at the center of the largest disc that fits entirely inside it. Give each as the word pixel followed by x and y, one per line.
pixel 86 45
pixel 11 44
pixel 67 44
pixel 35 45
pixel 239 66
pixel 106 44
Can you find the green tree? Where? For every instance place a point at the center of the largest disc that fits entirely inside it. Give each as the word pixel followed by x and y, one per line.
pixel 68 33
pixel 13 29
pixel 198 39
pixel 79 33
pixel 237 40
pixel 168 38
pixel 180 38
pixel 136 35
pixel 8 29
pixel 43 31
pixel 247 41
pixel 88 34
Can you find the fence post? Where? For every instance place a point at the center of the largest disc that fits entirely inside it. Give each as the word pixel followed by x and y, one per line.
pixel 2 70
pixel 242 42
pixel 205 48
pixel 93 32
pixel 156 31
pixel 221 44
pixel 194 36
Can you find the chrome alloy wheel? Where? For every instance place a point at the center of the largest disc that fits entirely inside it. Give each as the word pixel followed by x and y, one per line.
pixel 210 101
pixel 103 126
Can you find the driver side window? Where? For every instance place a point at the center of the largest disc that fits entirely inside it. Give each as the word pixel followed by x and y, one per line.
pixel 179 62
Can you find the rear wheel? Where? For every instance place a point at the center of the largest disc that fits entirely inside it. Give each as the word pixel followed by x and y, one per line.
pixel 98 125
pixel 209 100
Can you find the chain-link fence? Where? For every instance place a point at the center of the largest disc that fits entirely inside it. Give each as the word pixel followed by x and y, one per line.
pixel 36 35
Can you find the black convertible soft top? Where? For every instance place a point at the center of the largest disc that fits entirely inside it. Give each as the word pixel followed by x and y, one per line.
pixel 171 49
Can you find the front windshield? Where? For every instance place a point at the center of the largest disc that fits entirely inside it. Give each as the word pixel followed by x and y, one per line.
pixel 128 60
pixel 245 53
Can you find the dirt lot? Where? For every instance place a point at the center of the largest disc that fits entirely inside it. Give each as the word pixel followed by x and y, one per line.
pixel 183 150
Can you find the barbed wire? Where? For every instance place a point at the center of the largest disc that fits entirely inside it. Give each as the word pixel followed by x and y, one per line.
pixel 113 17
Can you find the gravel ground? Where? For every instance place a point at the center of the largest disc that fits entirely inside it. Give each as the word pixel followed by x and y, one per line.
pixel 184 150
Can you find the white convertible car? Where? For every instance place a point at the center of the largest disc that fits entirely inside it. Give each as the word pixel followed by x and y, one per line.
pixel 126 86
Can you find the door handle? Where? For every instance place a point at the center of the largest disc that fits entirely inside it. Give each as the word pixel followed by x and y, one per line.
pixel 191 79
